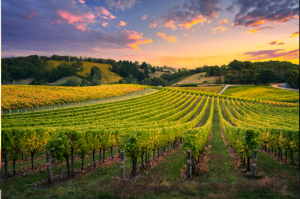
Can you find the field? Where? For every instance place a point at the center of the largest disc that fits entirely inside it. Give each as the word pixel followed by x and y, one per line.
pixel 106 77
pixel 65 79
pixel 155 131
pixel 263 93
pixel 14 97
pixel 211 89
pixel 197 79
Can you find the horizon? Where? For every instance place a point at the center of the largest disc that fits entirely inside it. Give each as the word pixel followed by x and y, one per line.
pixel 160 33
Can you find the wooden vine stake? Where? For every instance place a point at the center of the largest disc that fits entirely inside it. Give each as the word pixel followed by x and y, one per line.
pixel 49 168
pixel 254 162
pixel 122 155
pixel 189 163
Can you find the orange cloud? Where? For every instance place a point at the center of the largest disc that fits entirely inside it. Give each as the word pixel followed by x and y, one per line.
pixel 295 34
pixel 170 24
pixel 81 1
pixel 76 18
pixel 105 24
pixel 186 34
pixel 224 21
pixel 255 30
pixel 122 23
pixel 97 50
pixel 144 17
pixel 80 27
pixel 256 23
pixel 209 21
pixel 190 23
pixel 137 39
pixel 169 39
pixel 223 29
pixel 281 43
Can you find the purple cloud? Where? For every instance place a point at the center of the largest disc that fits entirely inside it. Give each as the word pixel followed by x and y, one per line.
pixel 188 14
pixel 51 26
pixel 120 4
pixel 271 54
pixel 257 12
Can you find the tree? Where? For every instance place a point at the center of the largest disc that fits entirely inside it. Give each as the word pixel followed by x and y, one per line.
pixel 267 76
pixel 95 71
pixel 219 80
pixel 144 65
pixel 157 81
pixel 292 78
pixel 153 69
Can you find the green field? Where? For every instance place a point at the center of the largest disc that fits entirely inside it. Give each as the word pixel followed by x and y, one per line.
pixel 263 93
pixel 197 79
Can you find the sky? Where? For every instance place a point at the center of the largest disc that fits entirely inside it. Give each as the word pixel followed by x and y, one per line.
pixel 176 33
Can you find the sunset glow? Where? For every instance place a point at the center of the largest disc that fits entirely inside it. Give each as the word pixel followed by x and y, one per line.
pixel 179 33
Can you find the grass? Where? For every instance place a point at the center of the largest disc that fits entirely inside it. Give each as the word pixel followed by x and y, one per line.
pixel 221 168
pixel 263 93
pixel 22 81
pixel 65 79
pixel 197 79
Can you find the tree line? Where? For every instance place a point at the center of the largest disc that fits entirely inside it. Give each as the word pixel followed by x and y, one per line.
pixel 236 72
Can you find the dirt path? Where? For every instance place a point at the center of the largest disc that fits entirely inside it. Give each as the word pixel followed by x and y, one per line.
pixel 224 89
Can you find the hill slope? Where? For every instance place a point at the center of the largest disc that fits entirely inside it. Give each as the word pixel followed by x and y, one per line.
pixel 106 75
pixel 197 79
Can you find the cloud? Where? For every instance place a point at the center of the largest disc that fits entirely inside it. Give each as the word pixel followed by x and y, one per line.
pixel 52 32
pixel 186 34
pixel 295 34
pixel 271 54
pixel 281 43
pixel 189 14
pixel 153 24
pixel 97 50
pixel 190 23
pixel 81 1
pixel 169 39
pixel 209 21
pixel 255 30
pixel 122 23
pixel 224 21
pixel 257 12
pixel 217 28
pixel 105 24
pixel 100 11
pixel 144 17
pixel 137 39
pixel 120 4
pixel 272 42
pixel 230 9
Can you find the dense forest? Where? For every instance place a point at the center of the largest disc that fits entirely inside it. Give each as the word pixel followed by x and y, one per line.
pixel 236 72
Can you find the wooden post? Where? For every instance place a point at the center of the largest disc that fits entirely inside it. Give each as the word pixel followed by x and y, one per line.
pixel 38 107
pixel 54 106
pixel 122 155
pixel 49 168
pixel 59 105
pixel 18 110
pixel 49 106
pixel 25 109
pixel 254 162
pixel 6 164
pixel 9 111
pixel 72 160
pixel 32 109
pixel 189 163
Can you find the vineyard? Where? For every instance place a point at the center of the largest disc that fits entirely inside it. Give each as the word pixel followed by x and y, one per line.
pixel 265 93
pixel 18 97
pixel 144 127
pixel 211 89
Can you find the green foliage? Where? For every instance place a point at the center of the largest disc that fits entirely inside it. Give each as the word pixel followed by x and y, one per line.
pixel 188 85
